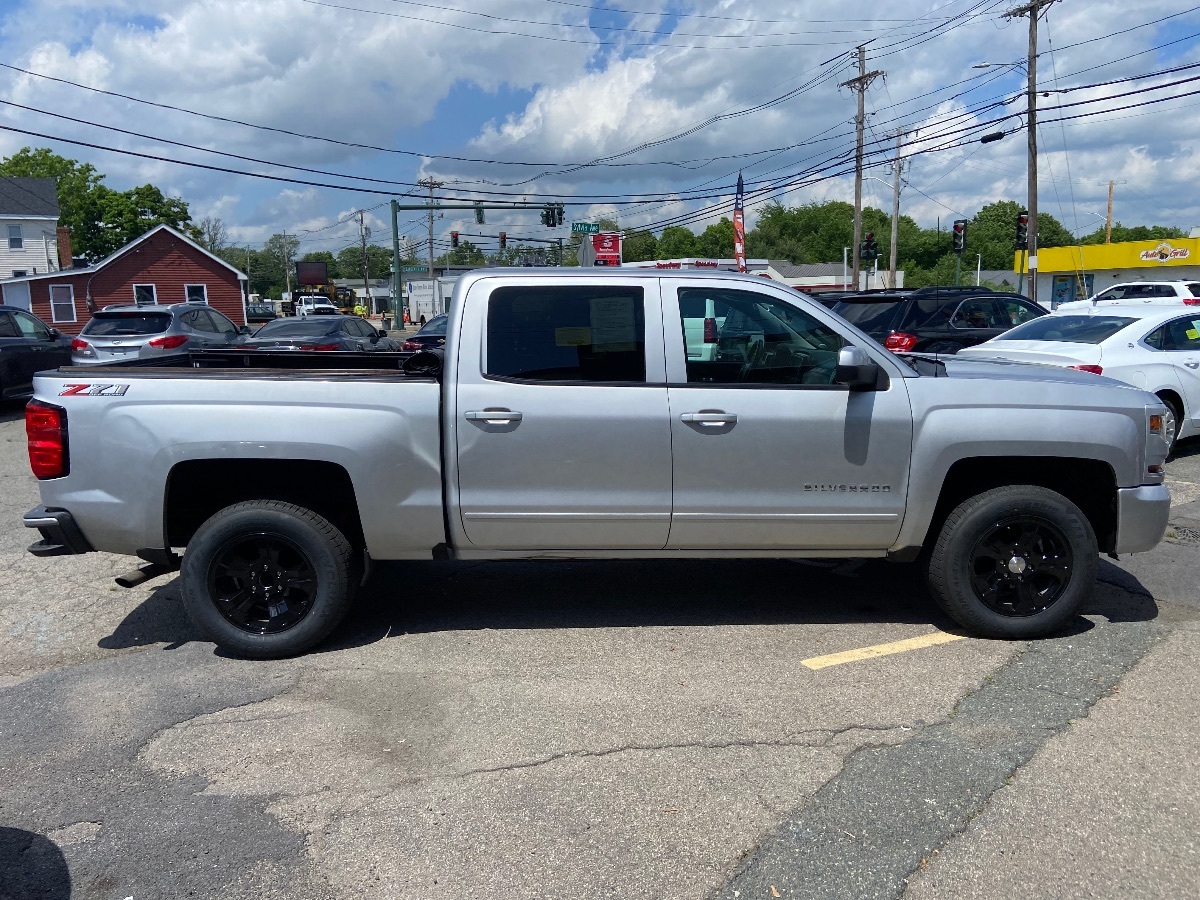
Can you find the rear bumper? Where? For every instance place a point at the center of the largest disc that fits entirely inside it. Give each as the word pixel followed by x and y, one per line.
pixel 60 534
pixel 1142 514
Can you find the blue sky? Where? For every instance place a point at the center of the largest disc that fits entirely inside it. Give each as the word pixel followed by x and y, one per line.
pixel 639 110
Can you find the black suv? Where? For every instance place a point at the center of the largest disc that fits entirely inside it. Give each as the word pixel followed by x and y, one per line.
pixel 27 345
pixel 936 320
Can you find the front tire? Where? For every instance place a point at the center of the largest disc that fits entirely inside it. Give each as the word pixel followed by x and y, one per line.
pixel 1014 562
pixel 1173 423
pixel 265 579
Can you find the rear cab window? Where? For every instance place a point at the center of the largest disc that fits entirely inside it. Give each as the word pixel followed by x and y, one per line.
pixel 127 323
pixel 567 334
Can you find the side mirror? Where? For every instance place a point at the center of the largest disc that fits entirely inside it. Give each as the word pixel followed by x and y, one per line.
pixel 244 329
pixel 381 333
pixel 856 369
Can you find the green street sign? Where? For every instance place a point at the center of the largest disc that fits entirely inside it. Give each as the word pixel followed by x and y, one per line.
pixel 584 228
pixel 414 268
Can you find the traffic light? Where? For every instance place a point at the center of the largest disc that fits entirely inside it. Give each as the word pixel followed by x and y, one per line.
pixel 558 214
pixel 548 216
pixel 454 239
pixel 960 235
pixel 870 248
pixel 1022 242
pixel 479 214
pixel 503 240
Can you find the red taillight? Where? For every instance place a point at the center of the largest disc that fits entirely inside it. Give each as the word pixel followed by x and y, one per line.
pixel 1095 370
pixel 170 342
pixel 900 342
pixel 46 433
pixel 1191 301
pixel 320 347
pixel 710 331
pixel 410 345
pixel 77 345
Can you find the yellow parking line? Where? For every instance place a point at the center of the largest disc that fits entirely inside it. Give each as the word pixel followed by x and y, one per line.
pixel 846 656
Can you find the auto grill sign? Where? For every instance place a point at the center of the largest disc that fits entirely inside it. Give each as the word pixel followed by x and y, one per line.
pixel 1164 252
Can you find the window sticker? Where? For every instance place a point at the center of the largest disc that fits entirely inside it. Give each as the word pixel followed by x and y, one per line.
pixel 1193 334
pixel 614 325
pixel 572 336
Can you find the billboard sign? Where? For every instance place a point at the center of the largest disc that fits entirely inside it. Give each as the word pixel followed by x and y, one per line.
pixel 312 273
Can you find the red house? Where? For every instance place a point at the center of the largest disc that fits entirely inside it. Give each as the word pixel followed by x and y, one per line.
pixel 161 267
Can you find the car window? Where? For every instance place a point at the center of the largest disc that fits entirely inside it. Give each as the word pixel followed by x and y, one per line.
pixel 1068 329
pixel 759 339
pixel 1163 290
pixel 221 324
pixel 363 328
pixel 127 323
pixel 578 334
pixel 975 313
pixel 31 327
pixel 1014 312
pixel 297 326
pixel 876 318
pixel 1182 334
pixel 436 325
pixel 8 328
pixel 1193 288
pixel 195 320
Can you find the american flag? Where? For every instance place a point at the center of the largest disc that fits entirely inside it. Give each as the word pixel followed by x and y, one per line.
pixel 739 229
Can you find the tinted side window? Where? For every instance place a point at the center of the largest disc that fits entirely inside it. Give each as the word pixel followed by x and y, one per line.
pixel 1182 334
pixel 977 313
pixel 756 339
pixel 1014 312
pixel 578 334
pixel 221 324
pixel 8 328
pixel 31 327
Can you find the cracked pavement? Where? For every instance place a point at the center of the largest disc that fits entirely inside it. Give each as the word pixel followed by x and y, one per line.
pixel 621 729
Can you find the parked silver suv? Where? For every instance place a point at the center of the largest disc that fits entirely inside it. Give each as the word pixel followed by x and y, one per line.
pixel 125 332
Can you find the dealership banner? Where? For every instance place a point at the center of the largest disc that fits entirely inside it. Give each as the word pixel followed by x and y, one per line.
pixel 739 229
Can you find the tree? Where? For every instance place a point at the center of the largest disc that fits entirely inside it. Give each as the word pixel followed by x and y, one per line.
pixel 101 220
pixel 350 262
pixel 1136 233
pixel 639 246
pixel 277 263
pixel 465 254
pixel 717 240
pixel 676 242
pixel 213 234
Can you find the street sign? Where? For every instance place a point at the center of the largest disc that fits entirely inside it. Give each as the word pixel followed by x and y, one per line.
pixel 585 228
pixel 414 268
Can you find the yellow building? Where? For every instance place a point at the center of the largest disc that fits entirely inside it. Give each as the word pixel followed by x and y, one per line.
pixel 1075 273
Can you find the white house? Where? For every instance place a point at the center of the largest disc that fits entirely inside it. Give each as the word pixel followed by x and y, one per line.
pixel 29 234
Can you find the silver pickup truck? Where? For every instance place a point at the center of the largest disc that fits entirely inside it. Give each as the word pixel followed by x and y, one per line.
pixel 599 414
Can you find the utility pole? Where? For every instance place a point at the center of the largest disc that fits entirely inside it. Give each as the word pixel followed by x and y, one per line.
pixel 287 264
pixel 1032 10
pixel 397 278
pixel 897 167
pixel 859 84
pixel 1108 218
pixel 432 185
pixel 362 236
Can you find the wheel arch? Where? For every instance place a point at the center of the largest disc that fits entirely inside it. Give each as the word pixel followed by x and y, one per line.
pixel 196 489
pixel 1090 484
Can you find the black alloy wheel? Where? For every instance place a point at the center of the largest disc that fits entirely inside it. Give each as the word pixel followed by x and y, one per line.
pixel 1021 567
pixel 262 583
pixel 265 579
pixel 1014 562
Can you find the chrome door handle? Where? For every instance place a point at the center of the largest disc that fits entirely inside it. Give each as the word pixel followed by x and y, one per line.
pixel 711 419
pixel 493 416
pixel 1192 365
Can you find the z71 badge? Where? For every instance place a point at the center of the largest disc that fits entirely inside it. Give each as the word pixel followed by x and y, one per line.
pixel 94 390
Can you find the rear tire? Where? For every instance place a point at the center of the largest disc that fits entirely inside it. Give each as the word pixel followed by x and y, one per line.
pixel 266 579
pixel 1014 562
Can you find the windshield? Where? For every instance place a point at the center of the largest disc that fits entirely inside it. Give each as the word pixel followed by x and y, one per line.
pixel 128 323
pixel 1068 329
pixel 281 327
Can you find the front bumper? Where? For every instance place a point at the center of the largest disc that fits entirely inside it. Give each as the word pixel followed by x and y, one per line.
pixel 60 533
pixel 1142 514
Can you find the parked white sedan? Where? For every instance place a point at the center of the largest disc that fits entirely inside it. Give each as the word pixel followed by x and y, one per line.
pixel 1151 347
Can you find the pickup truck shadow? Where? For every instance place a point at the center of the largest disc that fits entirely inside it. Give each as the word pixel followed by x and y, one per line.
pixel 12 410
pixel 425 597
pixel 32 866
pixel 422 597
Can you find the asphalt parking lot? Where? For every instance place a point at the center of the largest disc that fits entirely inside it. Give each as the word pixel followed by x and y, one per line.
pixel 628 729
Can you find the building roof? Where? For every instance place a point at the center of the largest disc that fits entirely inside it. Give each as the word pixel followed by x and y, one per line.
pixel 28 198
pixel 807 270
pixel 97 266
